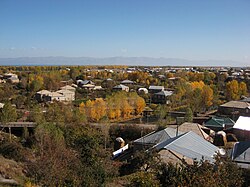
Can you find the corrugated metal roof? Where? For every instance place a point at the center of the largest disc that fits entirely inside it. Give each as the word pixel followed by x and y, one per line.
pixel 121 86
pixel 157 137
pixel 219 122
pixel 246 100
pixel 241 153
pixel 196 128
pixel 236 104
pixel 190 145
pixel 165 93
pixel 156 88
pixel 127 82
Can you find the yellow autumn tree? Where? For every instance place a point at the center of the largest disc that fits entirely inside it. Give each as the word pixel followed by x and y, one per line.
pixel 243 88
pixel 139 105
pixel 207 96
pixel 90 111
pixel 126 109
pixel 82 108
pixel 197 84
pixel 99 107
pixel 232 90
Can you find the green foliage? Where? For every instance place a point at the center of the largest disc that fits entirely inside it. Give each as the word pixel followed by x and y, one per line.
pixel 11 149
pixel 189 115
pixel 8 113
pixel 140 161
pixel 222 173
pixel 143 179
pixel 36 114
pixel 127 132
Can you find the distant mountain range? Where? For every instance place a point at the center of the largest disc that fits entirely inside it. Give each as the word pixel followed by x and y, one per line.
pixel 131 61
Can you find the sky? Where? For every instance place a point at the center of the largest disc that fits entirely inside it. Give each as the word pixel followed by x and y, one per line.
pixel 188 29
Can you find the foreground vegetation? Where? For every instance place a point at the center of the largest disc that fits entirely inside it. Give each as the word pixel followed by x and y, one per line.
pixel 66 150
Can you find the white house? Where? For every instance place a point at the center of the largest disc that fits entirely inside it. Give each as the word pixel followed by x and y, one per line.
pixel 69 95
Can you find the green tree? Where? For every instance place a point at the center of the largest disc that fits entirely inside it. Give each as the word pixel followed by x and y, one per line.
pixel 188 115
pixel 8 113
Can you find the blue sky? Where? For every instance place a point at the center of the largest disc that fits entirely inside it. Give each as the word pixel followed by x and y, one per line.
pixel 190 29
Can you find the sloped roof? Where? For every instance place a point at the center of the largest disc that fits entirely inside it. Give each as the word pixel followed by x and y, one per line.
pixel 127 82
pixel 236 104
pixel 157 137
pixel 241 154
pixel 242 123
pixel 44 92
pixel 156 88
pixel 65 92
pixel 88 86
pixel 83 82
pixel 165 93
pixel 247 99
pixel 121 86
pixel 196 128
pixel 1 105
pixel 219 122
pixel 67 87
pixel 190 145
pixel 55 94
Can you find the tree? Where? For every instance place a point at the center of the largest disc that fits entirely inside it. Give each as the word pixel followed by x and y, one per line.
pixel 232 90
pixel 195 99
pixel 242 89
pixel 188 115
pixel 54 164
pixel 207 96
pixel 221 173
pixel 8 113
pixel 36 114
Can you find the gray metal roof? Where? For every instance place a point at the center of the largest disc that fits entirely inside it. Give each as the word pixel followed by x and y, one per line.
pixel 157 137
pixel 236 104
pixel 190 145
pixel 241 154
pixel 120 86
pixel 247 99
pixel 127 82
pixel 156 88
pixel 165 93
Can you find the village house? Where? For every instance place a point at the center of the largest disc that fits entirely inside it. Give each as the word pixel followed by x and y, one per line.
pixel 88 86
pixel 127 82
pixel 41 96
pixel 188 146
pixel 241 154
pixel 81 83
pixel 121 87
pixel 217 123
pixel 55 96
pixel 242 128
pixel 69 95
pixel 11 78
pixel 234 109
pixel 155 89
pixel 173 148
pixel 67 87
pixel 161 97
pixel 60 95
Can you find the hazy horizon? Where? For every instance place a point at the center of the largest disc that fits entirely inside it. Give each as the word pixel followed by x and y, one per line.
pixel 194 30
pixel 131 61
